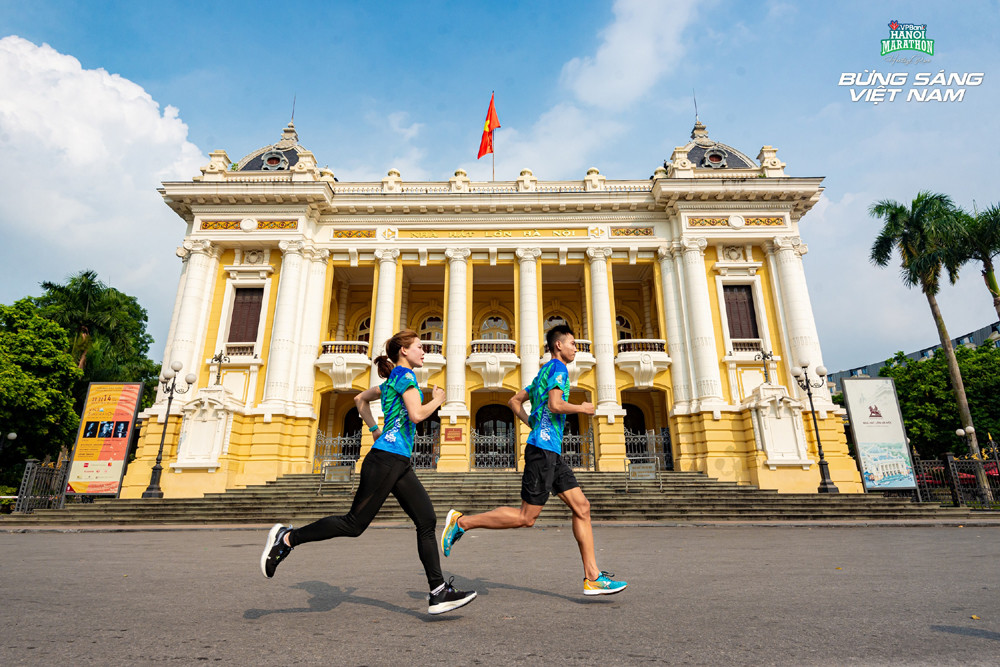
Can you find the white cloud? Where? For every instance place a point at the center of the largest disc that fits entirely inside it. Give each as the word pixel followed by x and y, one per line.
pixel 640 46
pixel 84 152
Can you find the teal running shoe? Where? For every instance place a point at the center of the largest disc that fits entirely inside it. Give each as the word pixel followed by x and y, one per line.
pixel 452 533
pixel 603 585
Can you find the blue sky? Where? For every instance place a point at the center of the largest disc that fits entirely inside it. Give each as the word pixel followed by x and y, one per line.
pixel 102 100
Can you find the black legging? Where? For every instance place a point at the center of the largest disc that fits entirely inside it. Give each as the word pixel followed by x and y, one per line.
pixel 383 473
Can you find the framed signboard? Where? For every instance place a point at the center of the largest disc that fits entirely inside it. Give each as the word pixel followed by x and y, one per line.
pixel 879 434
pixel 101 447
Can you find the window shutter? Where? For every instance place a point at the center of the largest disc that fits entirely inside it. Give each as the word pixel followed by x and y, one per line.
pixel 246 315
pixel 740 311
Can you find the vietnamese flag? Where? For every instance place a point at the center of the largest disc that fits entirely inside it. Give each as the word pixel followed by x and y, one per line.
pixel 492 123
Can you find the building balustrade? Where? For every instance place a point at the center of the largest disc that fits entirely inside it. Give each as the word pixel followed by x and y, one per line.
pixel 345 347
pixel 343 361
pixel 433 361
pixel 747 345
pixel 643 358
pixel 583 362
pixel 502 346
pixel 641 345
pixel 433 346
pixel 240 349
pixel 493 359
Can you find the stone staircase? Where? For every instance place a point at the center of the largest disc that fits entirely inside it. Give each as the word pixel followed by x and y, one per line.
pixel 685 497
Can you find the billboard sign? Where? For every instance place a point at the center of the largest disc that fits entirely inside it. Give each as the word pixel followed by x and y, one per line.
pixel 879 434
pixel 101 448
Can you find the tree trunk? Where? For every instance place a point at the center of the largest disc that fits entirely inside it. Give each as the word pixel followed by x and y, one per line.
pixel 956 375
pixel 991 283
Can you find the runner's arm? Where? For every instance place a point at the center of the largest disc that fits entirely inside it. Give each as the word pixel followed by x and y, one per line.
pixel 516 404
pixel 363 403
pixel 418 412
pixel 560 407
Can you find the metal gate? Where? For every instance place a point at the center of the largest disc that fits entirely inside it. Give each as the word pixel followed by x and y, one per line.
pixel 344 448
pixel 496 451
pixel 42 487
pixel 578 450
pixel 649 446
pixel 425 450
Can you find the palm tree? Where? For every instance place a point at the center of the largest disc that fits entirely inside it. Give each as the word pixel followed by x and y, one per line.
pixel 921 234
pixel 980 242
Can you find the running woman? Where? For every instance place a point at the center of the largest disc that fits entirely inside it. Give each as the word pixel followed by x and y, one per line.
pixel 386 469
pixel 545 471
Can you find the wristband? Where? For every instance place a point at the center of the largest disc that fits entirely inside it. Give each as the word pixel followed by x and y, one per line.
pixel 374 428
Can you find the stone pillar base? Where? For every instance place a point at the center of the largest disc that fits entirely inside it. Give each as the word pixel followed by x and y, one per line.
pixel 455 456
pixel 609 445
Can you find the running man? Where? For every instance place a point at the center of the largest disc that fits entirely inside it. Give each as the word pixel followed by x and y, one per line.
pixel 386 469
pixel 545 471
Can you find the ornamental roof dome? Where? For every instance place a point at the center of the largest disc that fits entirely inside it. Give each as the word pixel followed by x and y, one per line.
pixel 280 156
pixel 707 153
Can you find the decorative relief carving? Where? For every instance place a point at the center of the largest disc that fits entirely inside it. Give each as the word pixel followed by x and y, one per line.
pixel 354 233
pixel 598 254
pixel 708 222
pixel 733 253
pixel 278 224
pixel 387 254
pixel 765 222
pixel 458 254
pixel 631 231
pixel 219 225
pixel 529 254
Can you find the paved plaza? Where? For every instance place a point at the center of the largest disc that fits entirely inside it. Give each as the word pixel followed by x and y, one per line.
pixel 697 595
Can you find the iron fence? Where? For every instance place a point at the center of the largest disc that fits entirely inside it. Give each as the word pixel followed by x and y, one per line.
pixel 425 450
pixel 495 451
pixel 650 445
pixel 42 487
pixel 578 450
pixel 344 448
pixel 949 481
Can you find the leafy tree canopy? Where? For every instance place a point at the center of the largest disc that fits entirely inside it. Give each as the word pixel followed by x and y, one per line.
pixel 928 403
pixel 37 376
pixel 107 331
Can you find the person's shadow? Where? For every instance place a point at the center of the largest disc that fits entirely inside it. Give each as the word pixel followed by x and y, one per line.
pixel 325 597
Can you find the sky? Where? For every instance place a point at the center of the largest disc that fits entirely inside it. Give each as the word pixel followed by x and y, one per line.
pixel 101 101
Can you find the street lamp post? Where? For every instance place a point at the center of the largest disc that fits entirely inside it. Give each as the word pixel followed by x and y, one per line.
pixel 10 436
pixel 168 379
pixel 220 359
pixel 765 357
pixel 983 489
pixel 801 375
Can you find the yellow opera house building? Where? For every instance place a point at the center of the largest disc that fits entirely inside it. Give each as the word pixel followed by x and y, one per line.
pixel 686 292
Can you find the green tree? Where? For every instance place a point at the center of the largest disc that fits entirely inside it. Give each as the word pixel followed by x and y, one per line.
pixel 928 404
pixel 108 330
pixel 37 375
pixel 922 234
pixel 980 242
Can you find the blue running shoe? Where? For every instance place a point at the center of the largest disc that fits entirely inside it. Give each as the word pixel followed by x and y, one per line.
pixel 603 585
pixel 452 533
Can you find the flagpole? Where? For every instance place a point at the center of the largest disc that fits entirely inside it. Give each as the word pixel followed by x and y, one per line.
pixel 493 154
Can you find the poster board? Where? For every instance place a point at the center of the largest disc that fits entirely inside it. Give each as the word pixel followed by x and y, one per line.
pixel 879 434
pixel 101 449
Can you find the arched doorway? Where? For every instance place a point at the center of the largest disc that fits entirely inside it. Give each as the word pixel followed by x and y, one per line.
pixel 427 443
pixel 495 438
pixel 636 442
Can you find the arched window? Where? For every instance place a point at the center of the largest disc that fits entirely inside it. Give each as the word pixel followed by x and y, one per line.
pixel 494 420
pixel 635 420
pixel 554 321
pixel 432 328
pixel 494 327
pixel 624 327
pixel 365 329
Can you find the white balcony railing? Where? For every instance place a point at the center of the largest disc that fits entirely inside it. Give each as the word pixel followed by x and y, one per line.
pixel 502 346
pixel 747 344
pixel 343 361
pixel 239 349
pixel 642 345
pixel 432 346
pixel 345 347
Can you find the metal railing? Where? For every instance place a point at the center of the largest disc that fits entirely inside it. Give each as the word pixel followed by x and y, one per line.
pixel 42 487
pixel 345 347
pixel 342 448
pixel 432 346
pixel 642 345
pixel 501 346
pixel 578 450
pixel 425 450
pixel 649 446
pixel 747 345
pixel 495 451
pixel 239 349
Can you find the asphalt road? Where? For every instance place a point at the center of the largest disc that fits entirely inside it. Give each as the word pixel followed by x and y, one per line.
pixel 715 596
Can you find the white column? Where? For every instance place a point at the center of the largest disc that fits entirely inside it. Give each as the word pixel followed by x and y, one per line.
pixel 528 313
pixel 799 320
pixel 194 301
pixel 708 381
pixel 675 327
pixel 280 358
pixel 342 311
pixel 602 327
pixel 404 304
pixel 457 330
pixel 648 331
pixel 585 334
pixel 385 306
pixel 184 254
pixel 312 321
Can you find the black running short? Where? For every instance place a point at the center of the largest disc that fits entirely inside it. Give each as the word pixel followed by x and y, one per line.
pixel 545 472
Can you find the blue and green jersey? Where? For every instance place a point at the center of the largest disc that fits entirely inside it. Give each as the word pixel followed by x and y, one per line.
pixel 397 430
pixel 547 428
